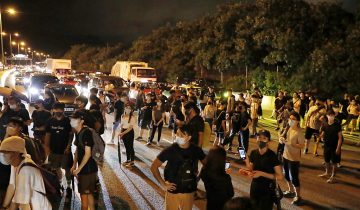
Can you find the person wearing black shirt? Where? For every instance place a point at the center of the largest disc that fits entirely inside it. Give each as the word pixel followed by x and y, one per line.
pixel 58 140
pixel 118 112
pixel 265 169
pixel 220 123
pixel 195 123
pixel 304 107
pixel 177 115
pixel 40 116
pixel 333 138
pixel 280 102
pixel 93 96
pixel 146 112
pixel 234 128
pixel 17 111
pixel 49 100
pixel 219 188
pixel 179 155
pixel 140 99
pixel 84 166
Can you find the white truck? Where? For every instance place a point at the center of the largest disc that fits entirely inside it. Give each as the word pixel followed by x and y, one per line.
pixel 134 71
pixel 58 67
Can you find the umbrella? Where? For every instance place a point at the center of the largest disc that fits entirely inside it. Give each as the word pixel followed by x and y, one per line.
pixel 7 92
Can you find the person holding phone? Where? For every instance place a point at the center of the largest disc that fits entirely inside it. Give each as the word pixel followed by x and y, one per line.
pixel 218 185
pixel 264 169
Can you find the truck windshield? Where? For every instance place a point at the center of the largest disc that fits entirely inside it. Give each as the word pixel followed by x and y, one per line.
pixel 63 71
pixel 146 73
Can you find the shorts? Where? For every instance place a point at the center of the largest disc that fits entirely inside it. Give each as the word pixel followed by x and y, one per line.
pixel 330 155
pixel 87 183
pixel 58 161
pixel 309 132
pixel 144 124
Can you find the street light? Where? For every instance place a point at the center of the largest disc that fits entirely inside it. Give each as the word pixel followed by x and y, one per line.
pixel 11 12
pixel 10 40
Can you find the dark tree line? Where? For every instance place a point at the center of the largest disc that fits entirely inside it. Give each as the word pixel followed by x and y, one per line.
pixel 287 44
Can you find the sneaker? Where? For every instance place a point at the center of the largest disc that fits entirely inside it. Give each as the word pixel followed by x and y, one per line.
pixel 288 194
pixel 331 180
pixel 148 143
pixel 296 201
pixel 324 175
pixel 158 144
pixel 139 138
pixel 125 163
pixel 130 164
pixel 338 165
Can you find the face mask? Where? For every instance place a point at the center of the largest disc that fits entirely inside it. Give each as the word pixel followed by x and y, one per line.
pixel 180 141
pixel 127 111
pixel 5 159
pixel 159 103
pixel 262 144
pixel 12 106
pixel 74 123
pixel 58 114
pixel 291 123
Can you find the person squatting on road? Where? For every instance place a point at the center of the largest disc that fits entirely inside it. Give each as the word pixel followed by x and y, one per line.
pixel 180 173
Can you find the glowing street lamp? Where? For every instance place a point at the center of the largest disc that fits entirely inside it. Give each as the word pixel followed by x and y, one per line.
pixel 11 11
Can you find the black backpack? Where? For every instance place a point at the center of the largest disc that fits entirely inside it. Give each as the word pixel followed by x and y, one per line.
pixel 51 182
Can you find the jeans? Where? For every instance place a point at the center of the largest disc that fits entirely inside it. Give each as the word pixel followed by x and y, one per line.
pixel 153 131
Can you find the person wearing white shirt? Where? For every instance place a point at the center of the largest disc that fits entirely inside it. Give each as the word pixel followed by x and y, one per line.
pixel 26 187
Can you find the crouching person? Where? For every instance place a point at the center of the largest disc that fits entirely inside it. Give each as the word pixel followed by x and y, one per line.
pixel 84 167
pixel 26 188
pixel 180 174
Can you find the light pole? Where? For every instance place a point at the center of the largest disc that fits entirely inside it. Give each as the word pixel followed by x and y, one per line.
pixel 11 12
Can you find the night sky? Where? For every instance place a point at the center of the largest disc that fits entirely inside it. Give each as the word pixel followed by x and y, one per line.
pixel 54 25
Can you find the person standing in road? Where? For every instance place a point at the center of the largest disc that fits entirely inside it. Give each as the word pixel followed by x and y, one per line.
pixel 158 118
pixel 195 123
pixel 84 167
pixel 296 102
pixel 127 134
pixel 230 108
pixel 40 117
pixel 146 111
pixel 264 169
pixel 118 112
pixel 140 99
pixel 209 112
pixel 219 188
pixel 26 186
pixel 354 111
pixel 17 111
pixel 254 106
pixel 220 123
pixel 280 102
pixel 294 142
pixel 58 140
pixel 333 138
pixel 180 173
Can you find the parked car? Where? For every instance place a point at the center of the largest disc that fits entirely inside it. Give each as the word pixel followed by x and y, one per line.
pixel 66 94
pixel 37 84
pixel 116 84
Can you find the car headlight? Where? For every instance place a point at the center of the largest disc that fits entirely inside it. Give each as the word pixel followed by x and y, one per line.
pixel 34 90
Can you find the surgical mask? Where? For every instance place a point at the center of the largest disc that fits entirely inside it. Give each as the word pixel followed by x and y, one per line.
pixel 180 141
pixel 58 114
pixel 74 123
pixel 12 106
pixel 127 111
pixel 158 103
pixel 291 123
pixel 5 159
pixel 262 144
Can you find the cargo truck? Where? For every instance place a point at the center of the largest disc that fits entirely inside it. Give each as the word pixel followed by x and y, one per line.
pixel 134 71
pixel 58 67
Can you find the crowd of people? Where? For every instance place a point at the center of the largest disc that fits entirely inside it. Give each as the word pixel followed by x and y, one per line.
pixel 192 118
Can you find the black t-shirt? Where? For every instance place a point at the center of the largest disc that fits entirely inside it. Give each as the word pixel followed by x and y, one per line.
pixel 196 125
pixel 97 101
pixel 59 134
pixel 4 176
pixel 86 140
pixel 331 137
pixel 280 103
pixel 244 118
pixel 345 103
pixel 264 163
pixel 99 118
pixel 147 112
pixel 119 110
pixel 174 162
pixel 236 121
pixel 221 115
pixel 40 118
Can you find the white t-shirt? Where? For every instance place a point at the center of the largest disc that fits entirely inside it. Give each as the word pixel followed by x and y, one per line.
pixel 28 182
pixel 125 122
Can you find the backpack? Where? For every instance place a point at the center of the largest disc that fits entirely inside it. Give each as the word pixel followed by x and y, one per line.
pixel 51 182
pixel 97 152
pixel 35 149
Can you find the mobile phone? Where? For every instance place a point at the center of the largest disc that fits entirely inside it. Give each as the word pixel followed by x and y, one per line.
pixel 242 153
pixel 227 165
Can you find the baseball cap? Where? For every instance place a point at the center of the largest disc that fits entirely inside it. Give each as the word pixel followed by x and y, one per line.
pixel 13 144
pixel 78 115
pixel 265 133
